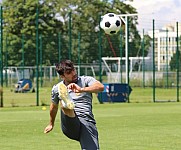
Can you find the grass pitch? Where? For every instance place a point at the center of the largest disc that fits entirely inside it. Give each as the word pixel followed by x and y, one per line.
pixel 122 126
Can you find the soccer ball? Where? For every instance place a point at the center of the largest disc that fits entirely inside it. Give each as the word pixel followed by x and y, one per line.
pixel 110 23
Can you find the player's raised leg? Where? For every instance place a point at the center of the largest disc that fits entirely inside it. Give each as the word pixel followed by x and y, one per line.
pixel 64 95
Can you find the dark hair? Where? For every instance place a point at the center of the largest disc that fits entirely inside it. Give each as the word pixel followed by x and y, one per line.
pixel 65 66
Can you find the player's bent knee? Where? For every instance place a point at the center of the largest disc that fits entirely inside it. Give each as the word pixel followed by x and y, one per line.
pixel 68 112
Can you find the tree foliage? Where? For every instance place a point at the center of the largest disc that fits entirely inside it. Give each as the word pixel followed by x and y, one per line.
pixel 175 60
pixel 20 18
pixel 54 16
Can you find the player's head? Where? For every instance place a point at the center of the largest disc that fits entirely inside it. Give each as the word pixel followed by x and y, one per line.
pixel 67 71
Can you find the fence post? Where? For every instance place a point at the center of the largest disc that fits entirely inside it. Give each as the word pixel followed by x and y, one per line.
pixel 6 61
pixel 153 60
pixel 100 55
pixel 37 59
pixel 1 57
pixel 100 58
pixel 59 47
pixel 41 61
pixel 121 54
pixel 79 62
pixel 167 57
pixel 70 34
pixel 23 55
pixel 178 59
pixel 143 53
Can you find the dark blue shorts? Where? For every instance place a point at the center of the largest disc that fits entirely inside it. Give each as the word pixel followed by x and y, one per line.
pixel 83 131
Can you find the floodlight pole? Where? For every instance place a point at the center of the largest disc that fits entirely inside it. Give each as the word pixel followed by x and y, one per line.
pixel 124 18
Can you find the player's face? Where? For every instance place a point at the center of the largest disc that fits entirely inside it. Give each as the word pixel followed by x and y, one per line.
pixel 71 76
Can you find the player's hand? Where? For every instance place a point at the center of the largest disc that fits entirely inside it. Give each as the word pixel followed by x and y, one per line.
pixel 48 129
pixel 74 87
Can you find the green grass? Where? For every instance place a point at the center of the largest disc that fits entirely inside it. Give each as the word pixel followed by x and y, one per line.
pixel 26 99
pixel 122 126
pixel 142 95
pixel 138 95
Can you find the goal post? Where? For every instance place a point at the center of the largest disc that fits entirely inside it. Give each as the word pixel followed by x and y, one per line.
pixel 119 74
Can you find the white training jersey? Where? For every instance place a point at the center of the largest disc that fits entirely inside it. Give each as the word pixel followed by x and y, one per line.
pixel 82 101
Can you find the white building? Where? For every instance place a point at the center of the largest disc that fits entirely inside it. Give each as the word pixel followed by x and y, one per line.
pixel 165 44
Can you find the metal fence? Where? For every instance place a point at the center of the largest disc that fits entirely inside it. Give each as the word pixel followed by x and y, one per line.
pixel 98 55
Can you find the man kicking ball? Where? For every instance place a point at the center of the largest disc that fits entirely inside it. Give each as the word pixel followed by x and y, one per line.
pixel 75 96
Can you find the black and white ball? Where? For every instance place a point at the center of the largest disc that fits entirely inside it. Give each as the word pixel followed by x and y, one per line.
pixel 110 23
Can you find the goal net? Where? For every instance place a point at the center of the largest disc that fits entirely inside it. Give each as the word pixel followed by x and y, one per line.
pixel 116 68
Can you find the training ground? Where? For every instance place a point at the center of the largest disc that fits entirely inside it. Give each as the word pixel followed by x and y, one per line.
pixel 122 126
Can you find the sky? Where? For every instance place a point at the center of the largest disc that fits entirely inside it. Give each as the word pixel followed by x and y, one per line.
pixel 162 11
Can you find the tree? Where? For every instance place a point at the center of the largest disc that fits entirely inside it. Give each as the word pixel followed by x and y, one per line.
pixel 54 19
pixel 86 17
pixel 173 62
pixel 20 21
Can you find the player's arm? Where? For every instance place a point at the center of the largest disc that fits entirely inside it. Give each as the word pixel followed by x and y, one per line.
pixel 53 113
pixel 94 88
